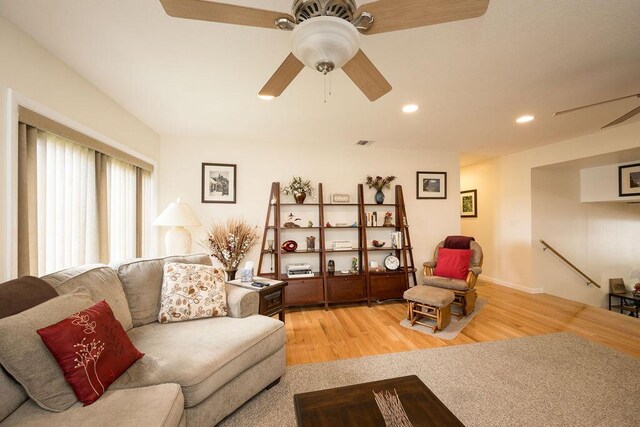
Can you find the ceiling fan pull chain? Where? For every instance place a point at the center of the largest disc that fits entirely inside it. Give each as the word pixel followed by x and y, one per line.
pixel 325 88
pixel 330 84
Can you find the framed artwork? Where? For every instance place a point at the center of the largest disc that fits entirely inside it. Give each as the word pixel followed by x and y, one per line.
pixel 340 198
pixel 629 180
pixel 218 183
pixel 431 185
pixel 469 204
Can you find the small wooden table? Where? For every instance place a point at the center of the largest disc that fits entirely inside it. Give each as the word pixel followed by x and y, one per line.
pixel 271 297
pixel 356 406
pixel 625 303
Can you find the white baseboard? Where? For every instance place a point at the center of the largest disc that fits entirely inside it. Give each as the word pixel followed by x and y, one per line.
pixel 512 285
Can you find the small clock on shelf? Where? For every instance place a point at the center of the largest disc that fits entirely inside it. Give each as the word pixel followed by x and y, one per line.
pixel 392 262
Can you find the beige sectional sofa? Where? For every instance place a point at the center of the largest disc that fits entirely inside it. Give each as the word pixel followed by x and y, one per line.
pixel 193 373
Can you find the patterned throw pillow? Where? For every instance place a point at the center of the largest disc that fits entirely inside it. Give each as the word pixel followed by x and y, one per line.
pixel 191 291
pixel 92 350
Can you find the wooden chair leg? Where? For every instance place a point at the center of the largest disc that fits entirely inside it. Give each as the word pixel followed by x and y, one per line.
pixel 444 317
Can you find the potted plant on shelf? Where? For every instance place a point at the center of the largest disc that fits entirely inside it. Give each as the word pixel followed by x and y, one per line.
pixel 299 188
pixel 379 183
pixel 230 242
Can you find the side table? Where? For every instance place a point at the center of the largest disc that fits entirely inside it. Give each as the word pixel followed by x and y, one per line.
pixel 628 302
pixel 271 297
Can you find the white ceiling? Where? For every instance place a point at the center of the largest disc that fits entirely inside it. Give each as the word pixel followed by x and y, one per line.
pixel 472 78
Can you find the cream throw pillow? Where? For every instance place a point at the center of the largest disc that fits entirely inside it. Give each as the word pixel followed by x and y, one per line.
pixel 191 291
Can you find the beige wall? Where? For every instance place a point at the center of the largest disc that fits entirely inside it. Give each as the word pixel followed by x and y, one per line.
pixel 33 73
pixel 599 238
pixel 340 169
pixel 504 224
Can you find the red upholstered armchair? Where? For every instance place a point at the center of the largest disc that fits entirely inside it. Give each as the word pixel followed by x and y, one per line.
pixel 465 294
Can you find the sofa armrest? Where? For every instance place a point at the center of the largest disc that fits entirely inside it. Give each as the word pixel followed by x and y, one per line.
pixel 241 302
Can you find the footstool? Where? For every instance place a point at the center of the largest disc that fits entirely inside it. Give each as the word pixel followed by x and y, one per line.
pixel 430 302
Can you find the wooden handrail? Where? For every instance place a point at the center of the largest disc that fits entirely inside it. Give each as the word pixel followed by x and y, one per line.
pixel 547 246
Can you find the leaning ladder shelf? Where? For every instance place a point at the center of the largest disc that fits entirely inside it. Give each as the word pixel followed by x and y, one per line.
pixel 329 288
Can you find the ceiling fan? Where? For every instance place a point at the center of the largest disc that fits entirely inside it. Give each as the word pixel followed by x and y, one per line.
pixel 617 121
pixel 326 33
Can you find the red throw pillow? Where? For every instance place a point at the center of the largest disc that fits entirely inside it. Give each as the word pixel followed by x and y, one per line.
pixel 453 263
pixel 92 349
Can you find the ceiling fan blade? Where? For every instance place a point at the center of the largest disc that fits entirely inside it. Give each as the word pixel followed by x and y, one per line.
pixel 366 76
pixel 624 118
pixel 394 15
pixel 597 103
pixel 283 77
pixel 225 13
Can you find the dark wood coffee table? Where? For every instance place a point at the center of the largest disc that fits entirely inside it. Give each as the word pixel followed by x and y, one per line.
pixel 356 406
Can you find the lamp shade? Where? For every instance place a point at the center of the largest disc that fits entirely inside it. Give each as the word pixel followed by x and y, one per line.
pixel 177 214
pixel 325 39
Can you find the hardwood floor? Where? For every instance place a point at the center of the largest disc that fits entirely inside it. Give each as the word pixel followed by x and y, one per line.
pixel 315 335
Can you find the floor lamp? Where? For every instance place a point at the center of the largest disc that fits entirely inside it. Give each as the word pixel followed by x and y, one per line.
pixel 177 215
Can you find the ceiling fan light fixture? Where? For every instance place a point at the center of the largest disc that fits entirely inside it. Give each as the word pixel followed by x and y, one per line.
pixel 410 108
pixel 325 40
pixel 525 119
pixel 266 97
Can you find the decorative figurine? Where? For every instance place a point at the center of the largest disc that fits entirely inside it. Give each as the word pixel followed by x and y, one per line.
pixel 310 224
pixel 292 221
pixel 328 225
pixel 388 219
pixel 354 265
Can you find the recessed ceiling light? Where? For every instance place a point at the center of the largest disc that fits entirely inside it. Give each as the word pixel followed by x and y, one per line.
pixel 411 108
pixel 266 97
pixel 525 119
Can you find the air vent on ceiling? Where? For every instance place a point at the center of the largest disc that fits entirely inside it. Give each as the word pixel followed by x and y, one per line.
pixel 364 142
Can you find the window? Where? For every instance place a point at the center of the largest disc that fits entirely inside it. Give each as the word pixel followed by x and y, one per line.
pixel 77 205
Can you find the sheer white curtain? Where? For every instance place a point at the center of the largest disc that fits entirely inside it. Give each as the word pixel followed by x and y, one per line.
pixel 66 196
pixel 121 192
pixel 77 205
pixel 147 211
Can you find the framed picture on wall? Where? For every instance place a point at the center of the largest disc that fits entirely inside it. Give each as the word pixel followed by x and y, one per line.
pixel 469 204
pixel 218 183
pixel 629 180
pixel 431 185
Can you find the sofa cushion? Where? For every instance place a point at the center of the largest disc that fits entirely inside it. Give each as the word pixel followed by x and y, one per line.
pixel 201 355
pixel 101 281
pixel 446 283
pixel 24 293
pixel 191 291
pixel 142 282
pixel 12 394
pixel 91 348
pixel 161 405
pixel 27 359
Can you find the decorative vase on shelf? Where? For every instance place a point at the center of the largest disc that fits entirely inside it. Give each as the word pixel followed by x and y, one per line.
pixel 300 198
pixel 231 275
pixel 379 197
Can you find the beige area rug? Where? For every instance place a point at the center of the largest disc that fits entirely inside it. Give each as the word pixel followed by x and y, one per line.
pixel 550 380
pixel 454 328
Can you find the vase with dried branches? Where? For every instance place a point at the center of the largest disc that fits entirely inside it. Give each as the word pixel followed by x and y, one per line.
pixel 379 183
pixel 230 242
